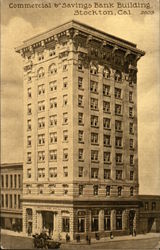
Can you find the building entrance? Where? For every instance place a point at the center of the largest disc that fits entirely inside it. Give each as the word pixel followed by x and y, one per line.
pixel 47 221
pixel 131 221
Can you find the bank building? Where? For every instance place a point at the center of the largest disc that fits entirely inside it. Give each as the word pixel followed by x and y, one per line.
pixel 80 172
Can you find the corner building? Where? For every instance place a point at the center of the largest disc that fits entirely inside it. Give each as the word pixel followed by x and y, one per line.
pixel 80 132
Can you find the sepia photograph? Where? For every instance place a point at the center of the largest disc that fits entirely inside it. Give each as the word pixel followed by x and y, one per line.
pixel 80 124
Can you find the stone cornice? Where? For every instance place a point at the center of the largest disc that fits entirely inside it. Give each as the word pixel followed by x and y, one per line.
pixel 79 29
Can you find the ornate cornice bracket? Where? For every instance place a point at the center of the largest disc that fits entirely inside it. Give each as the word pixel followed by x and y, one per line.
pixel 103 44
pixel 89 38
pixel 115 48
pixel 128 52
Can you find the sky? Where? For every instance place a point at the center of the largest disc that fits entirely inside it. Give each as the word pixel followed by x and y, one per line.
pixel 18 24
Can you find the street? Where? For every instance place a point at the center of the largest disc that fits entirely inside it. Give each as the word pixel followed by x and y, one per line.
pixel 12 242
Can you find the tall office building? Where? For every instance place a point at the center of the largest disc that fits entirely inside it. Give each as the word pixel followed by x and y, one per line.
pixel 80 132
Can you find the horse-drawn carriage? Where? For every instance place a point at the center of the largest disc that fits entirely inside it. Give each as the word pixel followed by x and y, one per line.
pixel 43 241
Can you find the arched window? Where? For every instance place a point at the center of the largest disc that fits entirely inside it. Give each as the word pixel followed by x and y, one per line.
pixel 118 76
pixel 93 69
pixel 131 191
pixel 81 221
pixel 106 73
pixel 52 69
pixel 40 72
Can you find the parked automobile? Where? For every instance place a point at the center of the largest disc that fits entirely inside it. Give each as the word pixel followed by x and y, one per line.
pixel 42 240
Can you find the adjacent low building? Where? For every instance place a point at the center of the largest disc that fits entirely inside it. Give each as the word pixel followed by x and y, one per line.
pixel 149 211
pixel 11 194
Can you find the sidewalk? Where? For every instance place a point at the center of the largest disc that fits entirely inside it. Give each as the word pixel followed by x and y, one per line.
pixel 118 238
pixel 93 241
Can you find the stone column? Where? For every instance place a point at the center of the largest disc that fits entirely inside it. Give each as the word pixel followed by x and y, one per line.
pixel 125 220
pixel 113 220
pixel 24 221
pixel 39 222
pixel 101 220
pixel 34 221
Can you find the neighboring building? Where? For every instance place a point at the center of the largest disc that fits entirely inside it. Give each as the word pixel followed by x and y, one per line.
pixel 149 220
pixel 80 132
pixel 11 195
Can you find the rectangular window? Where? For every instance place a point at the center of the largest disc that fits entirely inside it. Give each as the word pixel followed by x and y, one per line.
pixel 41 106
pixel 131 159
pixel 94 121
pixel 6 200
pixel 94 155
pixel 65 82
pixel 53 172
pixel 94 103
pixel 130 112
pixel 65 136
pixel 53 155
pixel 118 142
pixel 29 93
pixel 65 224
pixel 81 187
pixel 11 181
pixel 80 82
pixel 28 173
pixel 80 173
pixel 29 109
pixel 41 172
pixel 65 154
pixel 131 129
pixel 10 200
pixel 131 144
pixel 53 86
pixel 53 137
pixel 106 140
pixel 118 220
pixel 15 180
pixel 146 205
pixel 29 142
pixel 106 123
pixel 80 154
pixel 118 109
pixel 41 89
pixel 29 126
pixel 118 174
pixel 80 100
pixel 19 201
pixel 29 159
pixel 2 181
pixel 80 118
pixel 94 221
pixel 94 138
pixel 53 103
pixel 15 200
pixel 131 175
pixel 119 191
pixel 118 125
pixel 53 120
pixel 106 107
pixel 117 93
pixel 118 158
pixel 80 66
pixel 65 171
pixel 94 87
pixel 94 173
pixel 131 96
pixel 106 90
pixel 107 157
pixel 95 190
pixel 65 118
pixel 80 136
pixel 41 122
pixel 108 190
pixel 153 205
pixel 41 139
pixel 65 100
pixel 2 200
pixel 107 174
pixel 41 156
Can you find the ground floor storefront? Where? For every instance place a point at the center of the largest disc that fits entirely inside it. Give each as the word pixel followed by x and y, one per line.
pixel 96 219
pixel 11 221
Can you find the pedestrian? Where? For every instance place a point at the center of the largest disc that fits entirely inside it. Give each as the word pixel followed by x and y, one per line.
pixel 111 235
pixel 135 232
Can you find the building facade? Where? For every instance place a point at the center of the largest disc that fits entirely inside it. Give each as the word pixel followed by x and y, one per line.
pixel 149 220
pixel 80 132
pixel 11 195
